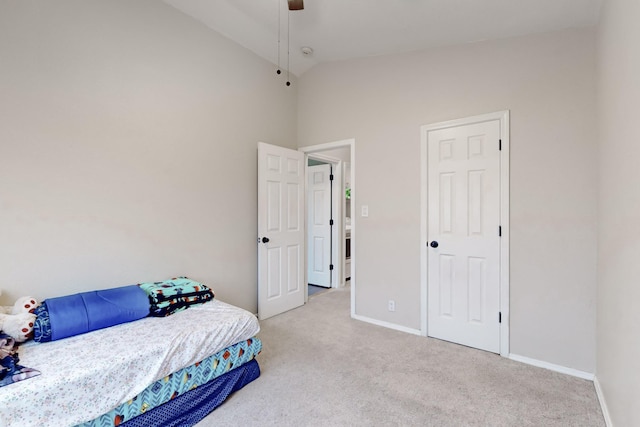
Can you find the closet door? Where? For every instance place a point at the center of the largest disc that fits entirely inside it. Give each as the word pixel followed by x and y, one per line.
pixel 464 234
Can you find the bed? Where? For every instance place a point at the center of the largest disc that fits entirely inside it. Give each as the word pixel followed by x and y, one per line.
pixel 155 371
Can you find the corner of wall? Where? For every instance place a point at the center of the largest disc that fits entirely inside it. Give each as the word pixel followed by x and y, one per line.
pixel 603 402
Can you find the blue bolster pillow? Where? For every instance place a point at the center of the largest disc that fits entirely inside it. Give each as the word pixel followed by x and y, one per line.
pixel 88 311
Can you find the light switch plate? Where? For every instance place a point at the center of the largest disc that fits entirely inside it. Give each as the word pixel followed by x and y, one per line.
pixel 365 210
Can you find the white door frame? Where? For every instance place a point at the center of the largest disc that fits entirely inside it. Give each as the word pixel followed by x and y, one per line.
pixel 314 150
pixel 336 211
pixel 503 117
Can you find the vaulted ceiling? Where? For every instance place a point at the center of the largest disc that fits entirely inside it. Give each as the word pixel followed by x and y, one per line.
pixel 345 29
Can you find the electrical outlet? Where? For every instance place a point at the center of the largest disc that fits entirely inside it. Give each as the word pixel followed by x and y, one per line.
pixel 365 210
pixel 392 305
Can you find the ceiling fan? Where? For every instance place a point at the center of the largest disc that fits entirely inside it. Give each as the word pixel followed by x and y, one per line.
pixel 296 4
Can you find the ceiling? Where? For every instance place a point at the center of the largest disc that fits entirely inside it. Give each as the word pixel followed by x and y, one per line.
pixel 345 29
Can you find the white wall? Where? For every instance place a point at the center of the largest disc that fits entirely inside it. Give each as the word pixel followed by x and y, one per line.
pixel 548 83
pixel 618 351
pixel 343 153
pixel 128 139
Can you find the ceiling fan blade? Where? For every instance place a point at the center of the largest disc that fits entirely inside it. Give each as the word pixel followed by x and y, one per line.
pixel 296 4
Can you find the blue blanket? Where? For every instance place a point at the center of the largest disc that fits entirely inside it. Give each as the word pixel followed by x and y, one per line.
pixel 77 314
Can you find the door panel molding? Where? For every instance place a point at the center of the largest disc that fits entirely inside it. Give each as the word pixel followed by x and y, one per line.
pixel 474 149
pixel 280 230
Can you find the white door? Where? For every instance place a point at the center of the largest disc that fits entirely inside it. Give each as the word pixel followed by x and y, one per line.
pixel 318 225
pixel 280 230
pixel 464 235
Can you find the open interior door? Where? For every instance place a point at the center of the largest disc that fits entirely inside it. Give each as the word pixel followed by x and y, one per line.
pixel 319 225
pixel 280 230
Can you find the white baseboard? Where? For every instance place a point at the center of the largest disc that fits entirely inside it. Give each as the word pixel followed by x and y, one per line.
pixel 387 324
pixel 603 403
pixel 552 367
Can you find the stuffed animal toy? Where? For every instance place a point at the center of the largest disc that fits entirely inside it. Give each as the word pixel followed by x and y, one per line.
pixel 17 321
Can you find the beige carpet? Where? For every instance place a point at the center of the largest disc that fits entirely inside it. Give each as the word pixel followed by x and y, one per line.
pixel 321 368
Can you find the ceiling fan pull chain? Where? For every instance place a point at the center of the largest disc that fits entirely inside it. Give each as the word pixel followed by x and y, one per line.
pixel 279 13
pixel 288 43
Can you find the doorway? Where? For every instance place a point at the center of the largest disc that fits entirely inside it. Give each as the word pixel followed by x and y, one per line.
pixel 341 155
pixel 465 231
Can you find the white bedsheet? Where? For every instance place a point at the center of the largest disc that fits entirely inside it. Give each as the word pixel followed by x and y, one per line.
pixel 88 375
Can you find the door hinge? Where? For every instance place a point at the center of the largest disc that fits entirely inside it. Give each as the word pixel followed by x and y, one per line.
pixel 330 266
pixel 331 177
pixel 330 222
pixel 500 144
pixel 499 231
pixel 499 317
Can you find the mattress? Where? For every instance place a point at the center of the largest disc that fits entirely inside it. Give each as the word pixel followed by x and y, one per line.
pixel 180 382
pixel 85 376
